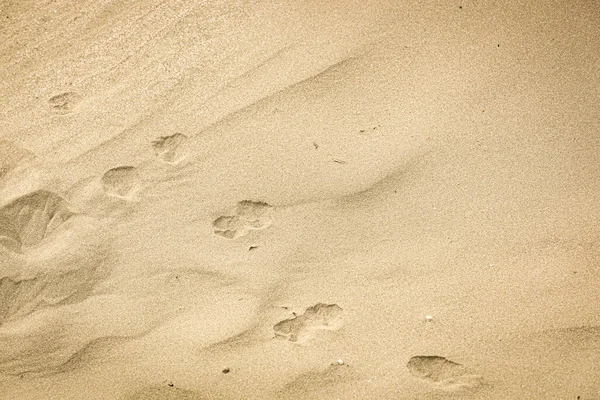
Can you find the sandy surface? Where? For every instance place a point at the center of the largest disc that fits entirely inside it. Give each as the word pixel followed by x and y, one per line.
pixel 299 199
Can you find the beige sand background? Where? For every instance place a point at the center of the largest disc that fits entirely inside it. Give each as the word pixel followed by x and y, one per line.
pixel 299 199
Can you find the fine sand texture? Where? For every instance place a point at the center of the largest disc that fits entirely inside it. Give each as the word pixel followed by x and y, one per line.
pixel 299 199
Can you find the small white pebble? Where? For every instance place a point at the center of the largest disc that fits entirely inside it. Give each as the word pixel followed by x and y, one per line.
pixel 428 318
pixel 341 362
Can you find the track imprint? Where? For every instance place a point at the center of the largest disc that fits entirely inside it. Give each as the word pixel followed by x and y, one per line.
pixel 165 147
pixel 443 373
pixel 64 103
pixel 302 327
pixel 248 215
pixel 121 181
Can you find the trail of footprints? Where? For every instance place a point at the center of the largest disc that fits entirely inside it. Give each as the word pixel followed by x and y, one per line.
pixel 36 219
pixel 440 372
pixel 32 219
pixel 124 181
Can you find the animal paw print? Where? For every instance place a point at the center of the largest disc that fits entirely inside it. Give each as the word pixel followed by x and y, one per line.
pixel 121 182
pixel 302 327
pixel 443 373
pixel 64 103
pixel 165 147
pixel 248 216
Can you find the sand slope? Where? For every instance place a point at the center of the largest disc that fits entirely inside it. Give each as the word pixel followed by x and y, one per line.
pixel 299 200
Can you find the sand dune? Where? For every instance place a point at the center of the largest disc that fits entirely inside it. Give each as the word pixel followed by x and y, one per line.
pixel 299 200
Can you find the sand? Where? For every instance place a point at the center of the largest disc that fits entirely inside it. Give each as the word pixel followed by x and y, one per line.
pixel 299 199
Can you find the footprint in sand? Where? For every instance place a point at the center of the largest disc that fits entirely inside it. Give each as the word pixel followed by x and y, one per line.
pixel 443 373
pixel 165 147
pixel 248 215
pixel 121 182
pixel 30 219
pixel 302 327
pixel 64 103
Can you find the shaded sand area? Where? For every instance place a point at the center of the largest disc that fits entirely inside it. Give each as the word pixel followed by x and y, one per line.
pixel 299 200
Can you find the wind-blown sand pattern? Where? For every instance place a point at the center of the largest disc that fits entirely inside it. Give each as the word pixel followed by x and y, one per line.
pixel 299 200
pixel 12 156
pixel 30 219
